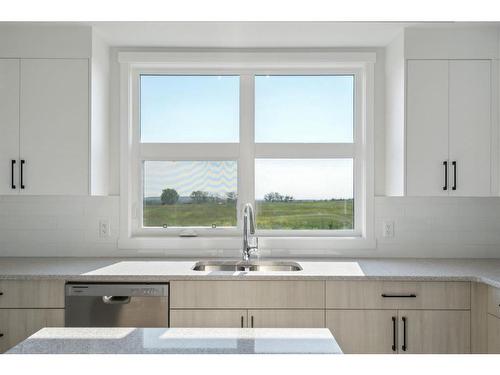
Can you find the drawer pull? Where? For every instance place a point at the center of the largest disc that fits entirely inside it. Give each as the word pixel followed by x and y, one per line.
pixel 1 293
pixel 404 347
pixel 384 295
pixel 393 333
pixel 1 334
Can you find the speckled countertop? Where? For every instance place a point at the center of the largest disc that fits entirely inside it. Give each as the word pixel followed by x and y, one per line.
pixel 179 341
pixel 152 269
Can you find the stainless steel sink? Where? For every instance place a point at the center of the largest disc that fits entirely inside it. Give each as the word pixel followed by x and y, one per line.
pixel 239 266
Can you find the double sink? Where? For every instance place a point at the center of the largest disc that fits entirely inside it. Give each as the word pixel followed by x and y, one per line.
pixel 250 266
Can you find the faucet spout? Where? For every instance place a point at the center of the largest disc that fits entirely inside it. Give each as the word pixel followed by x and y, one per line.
pixel 250 241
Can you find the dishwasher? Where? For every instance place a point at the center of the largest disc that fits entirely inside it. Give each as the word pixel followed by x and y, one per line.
pixel 117 305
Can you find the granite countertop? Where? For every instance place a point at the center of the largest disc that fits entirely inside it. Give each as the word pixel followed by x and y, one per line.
pixel 161 269
pixel 179 341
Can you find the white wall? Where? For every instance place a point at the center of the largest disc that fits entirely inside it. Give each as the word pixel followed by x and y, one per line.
pixel 424 227
pixel 100 117
pixel 395 117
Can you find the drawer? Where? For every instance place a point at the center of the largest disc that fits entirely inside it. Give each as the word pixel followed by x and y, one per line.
pixel 247 294
pixel 18 324
pixel 494 301
pixel 31 294
pixel 397 295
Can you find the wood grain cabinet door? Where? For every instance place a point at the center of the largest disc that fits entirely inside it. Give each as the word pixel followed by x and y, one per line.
pixel 18 324
pixel 434 332
pixel 364 331
pixel 493 334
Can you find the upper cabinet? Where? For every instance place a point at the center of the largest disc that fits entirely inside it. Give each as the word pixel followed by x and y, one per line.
pixel 448 128
pixel 9 125
pixel 46 126
pixel 442 113
pixel 54 110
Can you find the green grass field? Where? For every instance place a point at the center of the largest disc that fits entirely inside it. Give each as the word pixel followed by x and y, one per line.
pixel 270 215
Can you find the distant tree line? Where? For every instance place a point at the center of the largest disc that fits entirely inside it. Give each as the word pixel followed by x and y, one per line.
pixel 277 197
pixel 171 196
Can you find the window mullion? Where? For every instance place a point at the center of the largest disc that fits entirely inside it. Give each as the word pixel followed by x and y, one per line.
pixel 246 167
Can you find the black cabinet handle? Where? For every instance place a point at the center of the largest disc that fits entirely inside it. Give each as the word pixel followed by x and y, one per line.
pixel 454 187
pixel 251 321
pixel 22 174
pixel 12 165
pixel 404 347
pixel 1 293
pixel 412 295
pixel 393 333
pixel 242 321
pixel 1 334
pixel 445 163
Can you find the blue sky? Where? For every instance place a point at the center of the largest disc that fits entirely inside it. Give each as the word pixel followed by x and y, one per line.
pixel 293 109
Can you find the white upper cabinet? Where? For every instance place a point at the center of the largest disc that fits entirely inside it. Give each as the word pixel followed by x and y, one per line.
pixel 470 127
pixel 9 125
pixel 426 127
pixel 448 128
pixel 45 126
pixel 54 126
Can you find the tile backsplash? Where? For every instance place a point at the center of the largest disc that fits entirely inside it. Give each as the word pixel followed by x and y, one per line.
pixel 423 227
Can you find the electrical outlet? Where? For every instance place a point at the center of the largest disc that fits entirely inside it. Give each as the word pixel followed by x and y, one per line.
pixel 388 229
pixel 104 230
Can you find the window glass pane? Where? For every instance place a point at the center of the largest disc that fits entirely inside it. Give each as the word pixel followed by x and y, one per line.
pixel 190 193
pixel 189 108
pixel 304 109
pixel 304 193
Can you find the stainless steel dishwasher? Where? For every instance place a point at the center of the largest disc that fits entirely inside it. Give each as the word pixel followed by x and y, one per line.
pixel 117 305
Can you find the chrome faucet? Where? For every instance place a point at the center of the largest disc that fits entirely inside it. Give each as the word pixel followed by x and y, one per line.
pixel 250 241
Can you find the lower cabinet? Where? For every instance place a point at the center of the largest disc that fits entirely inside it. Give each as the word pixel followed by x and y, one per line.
pixel 17 324
pixel 364 331
pixel 434 332
pixel 208 318
pixel 261 318
pixel 400 331
pixel 493 334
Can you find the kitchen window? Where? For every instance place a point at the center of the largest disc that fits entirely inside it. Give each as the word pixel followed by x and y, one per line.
pixel 205 140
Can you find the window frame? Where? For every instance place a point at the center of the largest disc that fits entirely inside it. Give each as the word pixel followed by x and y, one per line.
pixel 246 151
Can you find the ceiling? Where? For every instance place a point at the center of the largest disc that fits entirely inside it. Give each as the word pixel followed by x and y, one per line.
pixel 249 34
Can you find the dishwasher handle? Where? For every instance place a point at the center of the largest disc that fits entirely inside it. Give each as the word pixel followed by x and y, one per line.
pixel 116 300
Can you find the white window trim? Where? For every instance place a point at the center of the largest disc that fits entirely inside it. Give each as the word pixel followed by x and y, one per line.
pixel 246 65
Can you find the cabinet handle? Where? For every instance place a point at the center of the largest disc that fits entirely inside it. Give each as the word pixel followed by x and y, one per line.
pixel 1 335
pixel 445 163
pixel 22 174
pixel 12 165
pixel 251 321
pixel 393 333
pixel 454 187
pixel 412 295
pixel 242 321
pixel 404 347
pixel 1 293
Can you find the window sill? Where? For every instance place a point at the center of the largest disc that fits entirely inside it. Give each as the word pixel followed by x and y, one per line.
pixel 179 244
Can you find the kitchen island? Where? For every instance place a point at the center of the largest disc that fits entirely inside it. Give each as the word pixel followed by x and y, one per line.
pixel 179 341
